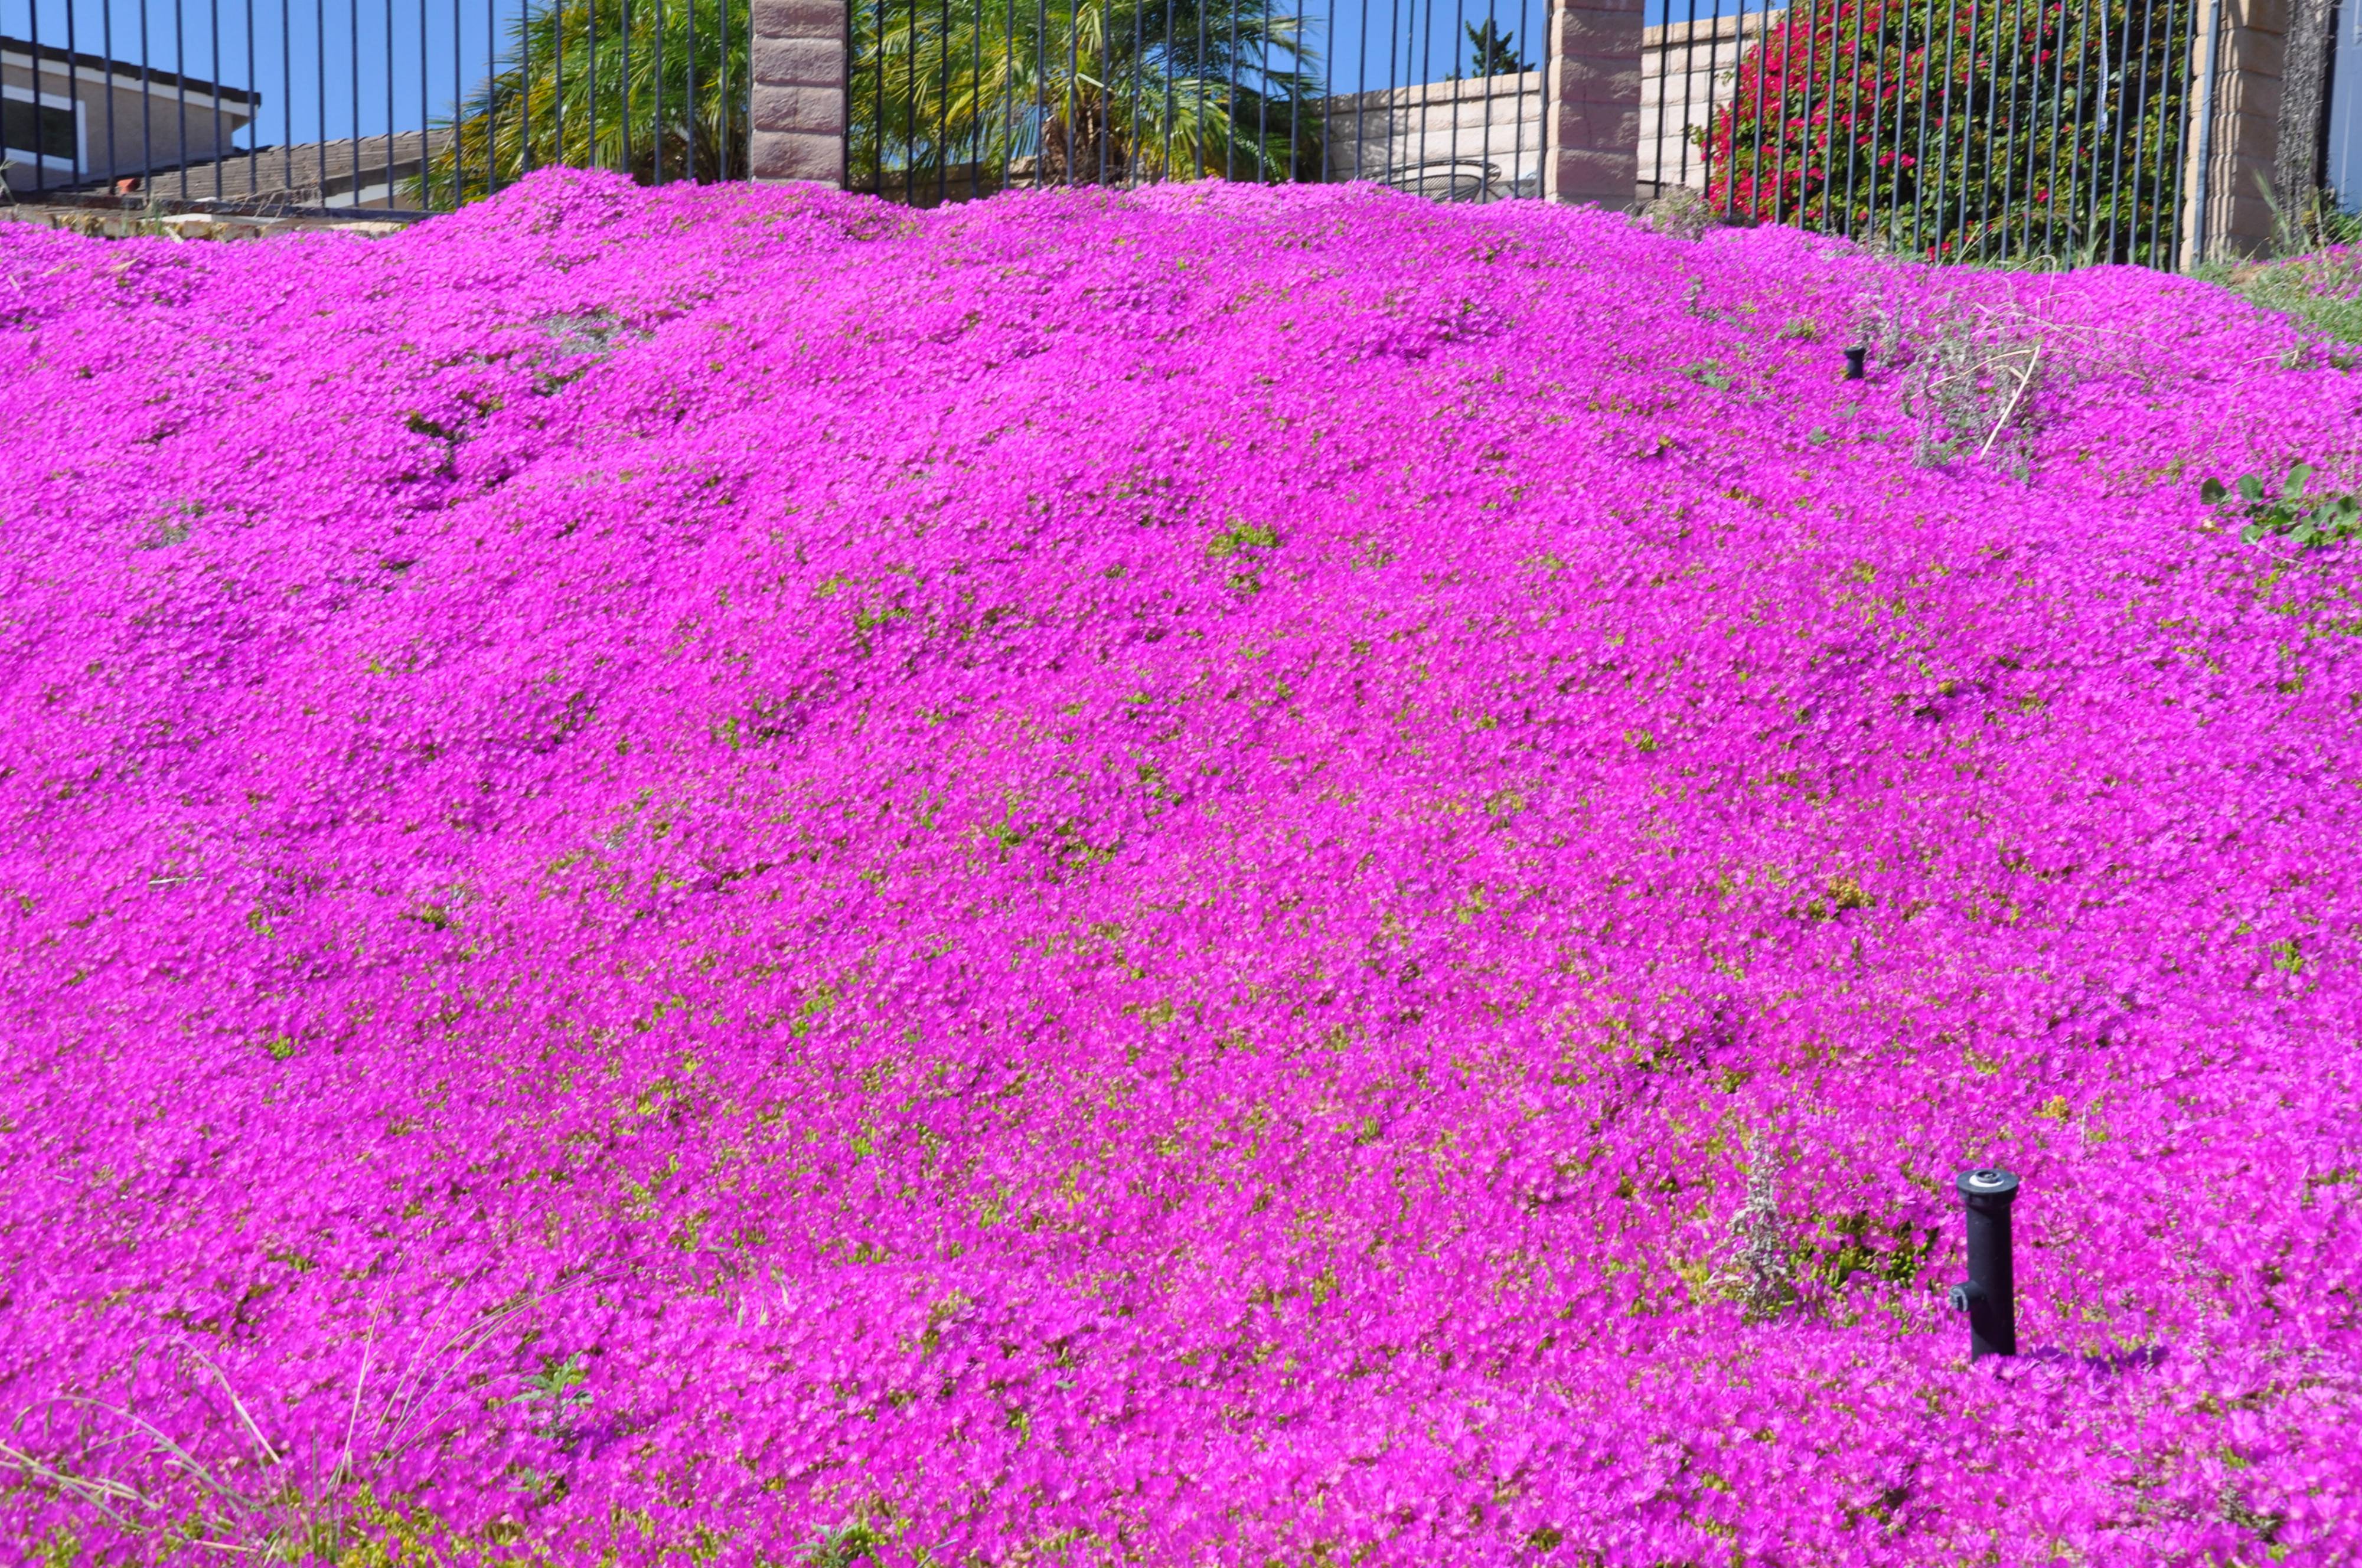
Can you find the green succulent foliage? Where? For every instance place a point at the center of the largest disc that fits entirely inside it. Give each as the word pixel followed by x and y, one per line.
pixel 840 1548
pixel 2307 521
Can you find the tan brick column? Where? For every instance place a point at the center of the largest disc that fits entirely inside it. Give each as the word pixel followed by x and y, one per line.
pixel 2237 136
pixel 799 110
pixel 1593 103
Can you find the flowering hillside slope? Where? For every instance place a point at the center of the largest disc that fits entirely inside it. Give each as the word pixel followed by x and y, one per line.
pixel 1190 879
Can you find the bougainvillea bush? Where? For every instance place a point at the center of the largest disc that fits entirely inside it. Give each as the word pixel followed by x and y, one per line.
pixel 1206 876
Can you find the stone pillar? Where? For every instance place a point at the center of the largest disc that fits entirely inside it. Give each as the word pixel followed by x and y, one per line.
pixel 799 91
pixel 1592 103
pixel 2240 45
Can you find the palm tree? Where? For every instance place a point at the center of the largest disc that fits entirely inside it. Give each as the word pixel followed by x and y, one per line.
pixel 946 95
pixel 958 96
pixel 656 88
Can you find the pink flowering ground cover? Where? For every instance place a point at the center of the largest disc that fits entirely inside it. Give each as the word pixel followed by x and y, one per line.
pixel 1199 877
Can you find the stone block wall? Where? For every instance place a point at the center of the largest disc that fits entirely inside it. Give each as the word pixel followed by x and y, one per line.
pixel 2236 145
pixel 1475 139
pixel 799 91
pixel 1593 103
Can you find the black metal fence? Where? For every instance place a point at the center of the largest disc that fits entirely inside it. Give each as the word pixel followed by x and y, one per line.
pixel 1987 130
pixel 957 98
pixel 1981 130
pixel 385 105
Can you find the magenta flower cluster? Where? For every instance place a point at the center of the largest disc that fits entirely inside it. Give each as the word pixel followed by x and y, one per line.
pixel 1204 876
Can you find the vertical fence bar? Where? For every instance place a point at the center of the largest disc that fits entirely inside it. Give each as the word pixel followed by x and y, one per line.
pixel 1394 38
pixel 1230 101
pixel 2010 125
pixel 107 47
pixel 1517 109
pixel 1714 79
pixel 180 96
pixel 1762 67
pixel 2075 127
pixel 147 118
pixel 1428 83
pixel 1361 88
pixel 2099 126
pixel 1296 98
pixel 1813 79
pixel 2001 135
pixel 1853 107
pixel 425 122
pixel 1487 69
pixel 390 202
pixel 459 91
pixel 525 92
pixel 1878 118
pixel 2162 104
pixel 212 63
pixel 594 154
pixel 2058 89
pixel 1906 77
pixel 1689 74
pixel 1263 107
pixel 1926 98
pixel 2195 247
pixel 2136 199
pixel 491 100
pixel 1663 55
pixel 1943 125
pixel 41 129
pixel 74 89
pixel 2115 126
pixel 1543 120
pixel 353 38
pixel 1851 71
pixel 1829 97
pixel 1945 225
pixel 1329 50
pixel 1423 96
pixel 320 83
pixel 2125 209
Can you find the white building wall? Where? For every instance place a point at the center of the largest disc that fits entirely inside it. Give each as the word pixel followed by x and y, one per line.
pixel 1688 70
pixel 1479 138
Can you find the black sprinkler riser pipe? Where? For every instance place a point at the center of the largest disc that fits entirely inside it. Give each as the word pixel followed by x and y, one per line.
pixel 1989 1295
pixel 1855 356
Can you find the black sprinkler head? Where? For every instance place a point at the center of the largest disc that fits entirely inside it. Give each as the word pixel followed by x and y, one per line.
pixel 1989 1295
